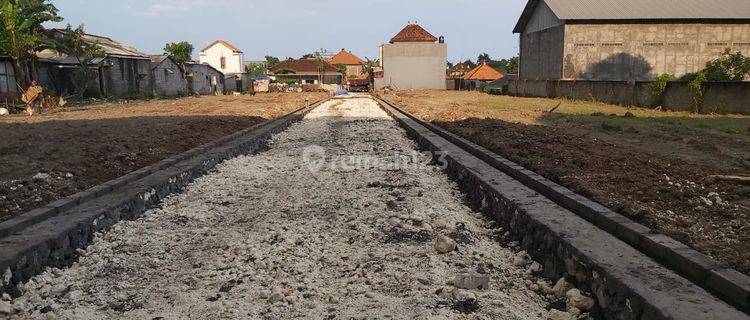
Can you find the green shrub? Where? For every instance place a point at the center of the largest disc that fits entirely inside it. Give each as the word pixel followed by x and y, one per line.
pixel 659 86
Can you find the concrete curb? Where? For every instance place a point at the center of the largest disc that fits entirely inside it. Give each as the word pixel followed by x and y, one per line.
pixel 49 236
pixel 731 285
pixel 626 283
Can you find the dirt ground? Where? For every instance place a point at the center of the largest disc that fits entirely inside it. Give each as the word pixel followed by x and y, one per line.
pixel 652 166
pixel 49 156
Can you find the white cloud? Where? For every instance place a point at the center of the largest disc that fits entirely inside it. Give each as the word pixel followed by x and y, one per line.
pixel 175 7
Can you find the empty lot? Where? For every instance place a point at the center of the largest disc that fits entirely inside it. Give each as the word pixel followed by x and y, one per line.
pixel 649 165
pixel 79 147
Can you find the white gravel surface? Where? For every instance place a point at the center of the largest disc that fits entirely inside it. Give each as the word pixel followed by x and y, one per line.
pixel 264 237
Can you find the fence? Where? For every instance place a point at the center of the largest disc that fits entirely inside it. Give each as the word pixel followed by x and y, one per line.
pixel 719 97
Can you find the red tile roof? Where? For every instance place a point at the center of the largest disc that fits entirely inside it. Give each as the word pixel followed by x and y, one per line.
pixel 483 72
pixel 304 65
pixel 224 42
pixel 413 33
pixel 346 58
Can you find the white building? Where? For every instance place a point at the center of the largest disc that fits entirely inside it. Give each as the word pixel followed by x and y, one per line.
pixel 223 56
pixel 414 59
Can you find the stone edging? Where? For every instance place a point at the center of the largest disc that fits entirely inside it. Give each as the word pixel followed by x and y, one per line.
pixel 626 283
pixel 51 235
pixel 731 285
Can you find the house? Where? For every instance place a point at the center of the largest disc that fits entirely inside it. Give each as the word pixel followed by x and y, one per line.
pixel 480 76
pixel 414 59
pixel 203 79
pixel 224 57
pixel 8 89
pixel 122 71
pixel 459 70
pixel 167 77
pixel 354 65
pixel 627 40
pixel 306 71
pixel 482 73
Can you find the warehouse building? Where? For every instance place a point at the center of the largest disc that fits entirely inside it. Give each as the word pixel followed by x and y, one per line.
pixel 627 40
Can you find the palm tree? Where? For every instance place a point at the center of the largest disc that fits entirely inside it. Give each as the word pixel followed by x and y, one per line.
pixel 22 34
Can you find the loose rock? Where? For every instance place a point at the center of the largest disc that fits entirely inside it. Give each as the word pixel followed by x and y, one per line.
pixel 561 288
pixel 444 244
pixel 559 315
pixel 472 280
pixel 575 299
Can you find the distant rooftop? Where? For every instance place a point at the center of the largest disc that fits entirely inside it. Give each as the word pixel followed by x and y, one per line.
pixel 346 58
pixel 413 33
pixel 483 72
pixel 225 43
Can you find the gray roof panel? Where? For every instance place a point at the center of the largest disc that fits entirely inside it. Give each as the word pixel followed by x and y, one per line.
pixel 640 10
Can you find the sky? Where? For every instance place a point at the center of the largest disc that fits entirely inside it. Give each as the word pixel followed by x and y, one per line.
pixel 292 28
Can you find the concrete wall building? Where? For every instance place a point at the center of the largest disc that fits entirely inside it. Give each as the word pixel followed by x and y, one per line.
pixel 167 78
pixel 123 70
pixel 223 56
pixel 628 40
pixel 412 60
pixel 203 79
pixel 8 89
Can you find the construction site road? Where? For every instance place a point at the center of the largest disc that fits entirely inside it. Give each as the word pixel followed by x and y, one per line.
pixel 341 218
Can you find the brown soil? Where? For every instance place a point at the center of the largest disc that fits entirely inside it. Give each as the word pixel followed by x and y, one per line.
pixel 80 147
pixel 651 168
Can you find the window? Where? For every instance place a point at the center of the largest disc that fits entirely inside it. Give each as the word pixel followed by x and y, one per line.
pixel 717 44
pixel 653 44
pixel 584 44
pixel 7 77
pixel 166 74
pixel 612 44
pixel 223 62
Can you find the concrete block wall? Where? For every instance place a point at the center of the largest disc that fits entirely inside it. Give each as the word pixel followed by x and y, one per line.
pixel 542 54
pixel 167 80
pixel 413 65
pixel 127 77
pixel 640 52
pixel 720 97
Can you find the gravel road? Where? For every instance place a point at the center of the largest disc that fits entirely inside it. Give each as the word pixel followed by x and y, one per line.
pixel 324 225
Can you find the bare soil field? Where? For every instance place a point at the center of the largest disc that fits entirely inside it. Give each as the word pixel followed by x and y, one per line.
pixel 651 166
pixel 49 156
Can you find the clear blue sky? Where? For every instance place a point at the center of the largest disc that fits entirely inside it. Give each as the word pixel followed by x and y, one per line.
pixel 291 28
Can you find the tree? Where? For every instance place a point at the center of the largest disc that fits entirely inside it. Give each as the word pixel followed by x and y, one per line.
pixel 320 63
pixel 729 67
pixel 271 61
pixel 180 52
pixel 255 69
pixel 72 42
pixel 484 58
pixel 22 34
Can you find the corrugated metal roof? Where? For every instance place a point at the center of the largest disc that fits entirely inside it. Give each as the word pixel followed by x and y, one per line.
pixel 109 46
pixel 650 9
pixel 640 10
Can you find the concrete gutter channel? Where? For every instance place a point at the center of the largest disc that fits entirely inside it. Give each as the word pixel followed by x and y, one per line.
pixel 623 264
pixel 49 236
